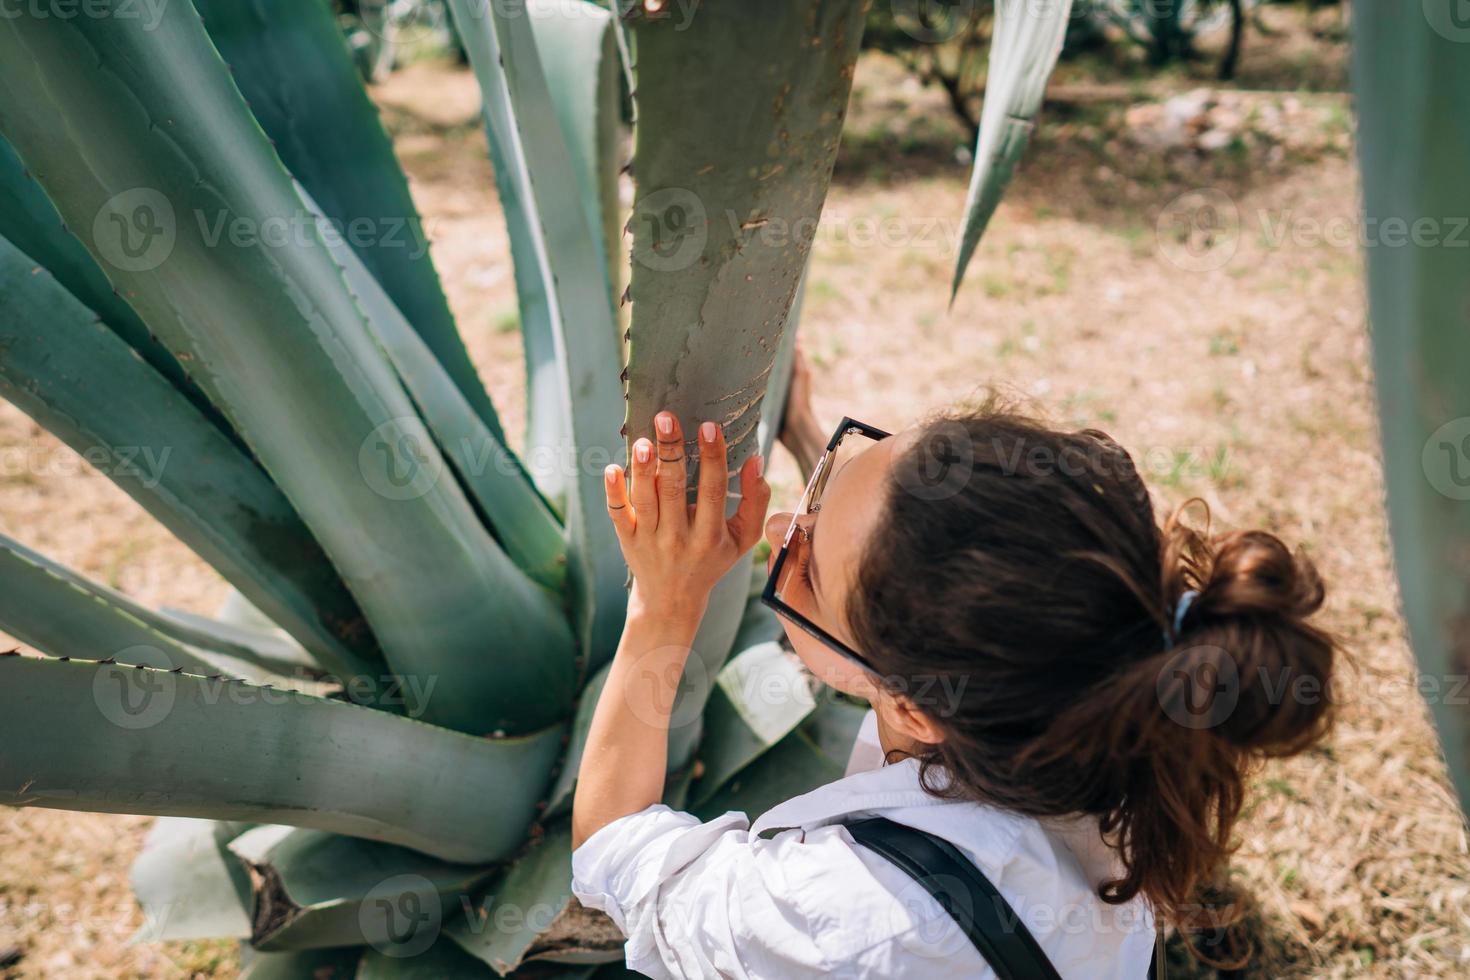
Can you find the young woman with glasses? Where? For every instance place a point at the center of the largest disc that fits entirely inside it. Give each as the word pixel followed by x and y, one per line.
pixel 1095 689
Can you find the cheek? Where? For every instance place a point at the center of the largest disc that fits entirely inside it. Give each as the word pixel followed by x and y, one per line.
pixel 832 669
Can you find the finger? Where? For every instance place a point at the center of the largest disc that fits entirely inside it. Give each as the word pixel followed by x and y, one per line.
pixel 714 478
pixel 644 493
pixel 755 496
pixel 618 507
pixel 672 475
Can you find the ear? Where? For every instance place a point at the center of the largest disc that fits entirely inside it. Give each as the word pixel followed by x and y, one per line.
pixel 909 720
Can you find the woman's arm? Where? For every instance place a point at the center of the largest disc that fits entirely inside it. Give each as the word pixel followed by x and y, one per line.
pixel 801 433
pixel 677 552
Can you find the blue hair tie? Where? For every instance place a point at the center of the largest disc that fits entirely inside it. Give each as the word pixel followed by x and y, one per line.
pixel 1180 609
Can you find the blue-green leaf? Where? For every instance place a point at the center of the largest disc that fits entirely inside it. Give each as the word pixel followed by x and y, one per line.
pixel 137 740
pixel 1024 47
pixel 290 62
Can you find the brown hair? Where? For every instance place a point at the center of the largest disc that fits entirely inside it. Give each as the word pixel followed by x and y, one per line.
pixel 1023 567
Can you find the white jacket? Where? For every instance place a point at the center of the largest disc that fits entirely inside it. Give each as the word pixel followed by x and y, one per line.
pixel 706 900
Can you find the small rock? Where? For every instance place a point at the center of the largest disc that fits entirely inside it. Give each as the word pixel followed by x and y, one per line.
pixel 1216 139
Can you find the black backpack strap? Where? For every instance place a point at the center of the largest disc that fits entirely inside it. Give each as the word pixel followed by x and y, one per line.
pixel 964 892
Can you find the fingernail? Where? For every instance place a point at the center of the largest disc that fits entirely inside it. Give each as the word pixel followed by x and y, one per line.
pixel 641 451
pixel 610 473
pixel 707 432
pixel 665 424
pixel 760 465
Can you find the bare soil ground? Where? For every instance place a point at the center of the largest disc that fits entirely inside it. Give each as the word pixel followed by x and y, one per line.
pixel 1237 373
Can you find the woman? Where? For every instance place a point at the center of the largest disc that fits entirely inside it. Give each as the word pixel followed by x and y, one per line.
pixel 1068 694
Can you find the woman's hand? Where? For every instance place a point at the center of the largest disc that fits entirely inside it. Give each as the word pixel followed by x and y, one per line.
pixel 678 551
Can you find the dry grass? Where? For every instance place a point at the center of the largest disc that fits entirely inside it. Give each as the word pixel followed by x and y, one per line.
pixel 1247 385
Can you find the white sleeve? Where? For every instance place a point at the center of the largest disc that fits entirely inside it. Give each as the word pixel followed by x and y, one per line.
pixel 708 899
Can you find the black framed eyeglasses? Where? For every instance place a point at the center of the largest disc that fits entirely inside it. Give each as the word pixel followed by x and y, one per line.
pixel 783 578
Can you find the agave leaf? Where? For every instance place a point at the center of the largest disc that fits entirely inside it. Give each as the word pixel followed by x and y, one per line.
pixel 793 766
pixel 65 614
pixel 834 726
pixel 441 961
pixel 739 116
pixel 314 890
pixel 29 221
pixel 522 121
pixel 489 472
pixel 337 433
pixel 762 695
pixel 759 623
pixel 137 740
pixel 1410 76
pixel 579 55
pixel 61 613
pixel 1024 48
pixel 316 964
pixel 81 382
pixel 291 64
pixel 268 647
pixel 549 442
pixel 524 903
pixel 188 883
pixel 584 92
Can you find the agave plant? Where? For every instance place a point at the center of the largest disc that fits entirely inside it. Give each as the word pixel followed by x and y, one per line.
pixel 210 288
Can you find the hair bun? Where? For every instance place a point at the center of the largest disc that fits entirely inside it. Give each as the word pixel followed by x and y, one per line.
pixel 1247 635
pixel 1253 573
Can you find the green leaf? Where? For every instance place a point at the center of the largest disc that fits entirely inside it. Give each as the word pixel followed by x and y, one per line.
pixel 272 315
pixel 522 905
pixel 762 695
pixel 268 647
pixel 739 116
pixel 490 473
pixel 522 121
pixel 579 55
pixel 32 225
pixel 441 961
pixel 1024 46
pixel 82 383
pixel 834 726
pixel 315 890
pixel 1410 76
pixel 188 883
pixel 793 766
pixel 137 740
pixel 316 964
pixel 582 76
pixel 61 613
pixel 291 64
